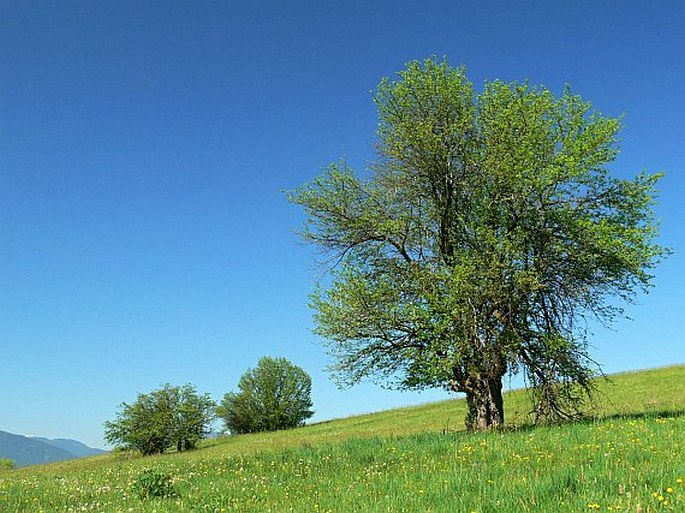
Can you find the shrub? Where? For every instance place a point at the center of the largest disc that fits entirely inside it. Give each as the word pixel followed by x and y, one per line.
pixel 7 464
pixel 152 483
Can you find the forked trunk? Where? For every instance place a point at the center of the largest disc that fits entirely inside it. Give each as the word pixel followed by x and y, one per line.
pixel 484 400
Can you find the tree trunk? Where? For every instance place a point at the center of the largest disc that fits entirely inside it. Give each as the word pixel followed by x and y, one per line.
pixel 484 400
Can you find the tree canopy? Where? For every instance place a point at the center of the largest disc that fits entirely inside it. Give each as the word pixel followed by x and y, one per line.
pixel 274 395
pixel 168 417
pixel 482 241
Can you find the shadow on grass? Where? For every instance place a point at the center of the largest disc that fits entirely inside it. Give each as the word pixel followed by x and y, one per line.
pixel 583 420
pixel 591 419
pixel 650 414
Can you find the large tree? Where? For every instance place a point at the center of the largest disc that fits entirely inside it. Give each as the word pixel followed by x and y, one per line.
pixel 481 242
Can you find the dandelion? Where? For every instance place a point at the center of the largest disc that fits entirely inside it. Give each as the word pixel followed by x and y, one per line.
pixel 669 490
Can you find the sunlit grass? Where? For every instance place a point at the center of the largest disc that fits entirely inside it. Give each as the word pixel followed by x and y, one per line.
pixel 630 457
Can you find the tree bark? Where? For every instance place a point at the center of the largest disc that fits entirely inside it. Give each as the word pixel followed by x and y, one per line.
pixel 485 403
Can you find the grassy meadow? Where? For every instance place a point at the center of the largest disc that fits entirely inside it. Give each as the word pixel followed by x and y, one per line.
pixel 628 456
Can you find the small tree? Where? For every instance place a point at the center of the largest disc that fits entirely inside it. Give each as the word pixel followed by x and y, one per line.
pixel 275 395
pixel 170 416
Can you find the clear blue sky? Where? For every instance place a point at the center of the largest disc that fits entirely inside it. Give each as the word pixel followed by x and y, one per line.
pixel 145 146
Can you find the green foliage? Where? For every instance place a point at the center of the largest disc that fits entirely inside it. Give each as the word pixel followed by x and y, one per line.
pixel 170 416
pixel 489 232
pixel 275 395
pixel 6 464
pixel 153 483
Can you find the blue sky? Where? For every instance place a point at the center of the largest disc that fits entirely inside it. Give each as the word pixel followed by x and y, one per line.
pixel 145 147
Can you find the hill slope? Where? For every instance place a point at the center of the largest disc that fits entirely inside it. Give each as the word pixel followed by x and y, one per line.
pixel 629 457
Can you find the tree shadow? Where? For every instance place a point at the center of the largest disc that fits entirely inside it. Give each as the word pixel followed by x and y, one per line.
pixel 583 420
pixel 592 419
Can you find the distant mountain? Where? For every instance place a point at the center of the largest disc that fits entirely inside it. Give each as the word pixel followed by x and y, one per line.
pixel 27 450
pixel 75 447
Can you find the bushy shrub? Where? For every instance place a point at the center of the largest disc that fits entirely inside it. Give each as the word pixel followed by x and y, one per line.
pixel 7 464
pixel 153 483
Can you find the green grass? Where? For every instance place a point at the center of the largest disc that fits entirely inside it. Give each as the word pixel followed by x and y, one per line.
pixel 629 457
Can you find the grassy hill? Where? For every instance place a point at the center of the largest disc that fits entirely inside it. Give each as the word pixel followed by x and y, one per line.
pixel 629 456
